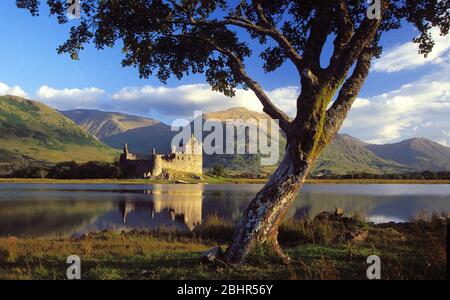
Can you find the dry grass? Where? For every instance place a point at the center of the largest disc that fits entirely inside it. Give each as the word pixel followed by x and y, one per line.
pixel 407 251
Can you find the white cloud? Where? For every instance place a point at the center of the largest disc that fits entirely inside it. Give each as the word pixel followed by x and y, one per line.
pixel 406 56
pixel 13 91
pixel 360 102
pixel 420 108
pixel 286 99
pixel 183 100
pixel 70 98
pixel 179 101
pixel 170 102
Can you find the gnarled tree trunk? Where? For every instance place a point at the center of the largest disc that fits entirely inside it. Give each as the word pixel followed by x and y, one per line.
pixel 260 222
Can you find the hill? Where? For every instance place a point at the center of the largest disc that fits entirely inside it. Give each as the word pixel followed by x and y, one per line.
pixel 416 153
pixel 241 163
pixel 103 124
pixel 114 129
pixel 346 154
pixel 33 132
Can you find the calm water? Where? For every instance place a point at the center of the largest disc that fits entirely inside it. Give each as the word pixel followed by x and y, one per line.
pixel 66 210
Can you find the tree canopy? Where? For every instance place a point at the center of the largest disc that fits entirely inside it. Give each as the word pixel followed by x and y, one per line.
pixel 174 38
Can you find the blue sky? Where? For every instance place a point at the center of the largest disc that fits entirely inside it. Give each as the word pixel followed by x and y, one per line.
pixel 30 66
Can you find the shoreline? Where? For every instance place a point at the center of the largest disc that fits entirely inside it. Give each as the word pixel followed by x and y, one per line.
pixel 211 180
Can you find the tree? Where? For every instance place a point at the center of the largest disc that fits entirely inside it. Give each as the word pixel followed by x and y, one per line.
pixel 177 37
pixel 218 171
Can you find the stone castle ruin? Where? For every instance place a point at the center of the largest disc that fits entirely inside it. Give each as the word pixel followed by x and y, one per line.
pixel 180 159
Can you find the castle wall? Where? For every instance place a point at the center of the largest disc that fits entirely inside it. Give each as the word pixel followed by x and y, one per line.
pixel 143 166
pixel 190 163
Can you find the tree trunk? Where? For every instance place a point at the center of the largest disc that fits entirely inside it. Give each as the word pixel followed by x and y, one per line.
pixel 264 214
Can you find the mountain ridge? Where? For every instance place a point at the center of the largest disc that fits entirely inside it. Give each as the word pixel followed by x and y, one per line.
pixel 344 154
pixel 102 124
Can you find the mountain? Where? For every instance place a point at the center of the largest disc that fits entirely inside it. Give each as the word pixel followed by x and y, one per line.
pixel 343 155
pixel 33 132
pixel 104 124
pixel 143 139
pixel 347 154
pixel 417 153
pixel 114 129
pixel 248 163
pixel 235 113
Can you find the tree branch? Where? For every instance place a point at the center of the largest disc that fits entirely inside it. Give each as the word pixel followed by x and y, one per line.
pixel 337 113
pixel 268 30
pixel 318 35
pixel 351 50
pixel 268 106
pixel 345 28
pixel 260 12
pixel 238 67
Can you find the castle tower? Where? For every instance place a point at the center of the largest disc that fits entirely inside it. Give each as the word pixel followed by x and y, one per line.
pixel 193 146
pixel 124 155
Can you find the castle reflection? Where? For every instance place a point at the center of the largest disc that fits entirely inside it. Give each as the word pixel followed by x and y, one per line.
pixel 28 210
pixel 179 208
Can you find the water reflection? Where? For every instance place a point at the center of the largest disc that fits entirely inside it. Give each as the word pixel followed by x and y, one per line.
pixel 65 210
pixel 180 206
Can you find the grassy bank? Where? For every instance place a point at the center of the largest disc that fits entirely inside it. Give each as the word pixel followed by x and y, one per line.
pixel 214 180
pixel 320 249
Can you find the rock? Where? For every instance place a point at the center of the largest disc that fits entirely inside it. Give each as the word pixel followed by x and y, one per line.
pixel 339 211
pixel 209 256
pixel 196 177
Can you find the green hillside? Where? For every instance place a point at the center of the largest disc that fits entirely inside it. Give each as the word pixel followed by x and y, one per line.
pixel 346 154
pixel 33 132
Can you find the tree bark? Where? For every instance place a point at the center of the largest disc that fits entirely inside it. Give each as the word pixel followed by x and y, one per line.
pixel 260 222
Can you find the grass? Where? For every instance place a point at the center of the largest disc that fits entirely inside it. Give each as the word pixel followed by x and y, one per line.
pixel 414 250
pixel 214 180
pixel 33 132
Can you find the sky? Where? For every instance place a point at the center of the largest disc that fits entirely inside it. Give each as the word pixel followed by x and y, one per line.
pixel 404 96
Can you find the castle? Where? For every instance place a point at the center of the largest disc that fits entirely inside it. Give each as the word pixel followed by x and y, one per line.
pixel 186 158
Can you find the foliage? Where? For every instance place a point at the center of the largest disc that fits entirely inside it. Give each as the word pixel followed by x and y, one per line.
pixel 70 170
pixel 218 171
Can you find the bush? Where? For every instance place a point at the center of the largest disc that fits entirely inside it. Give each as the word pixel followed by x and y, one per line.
pixel 218 171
